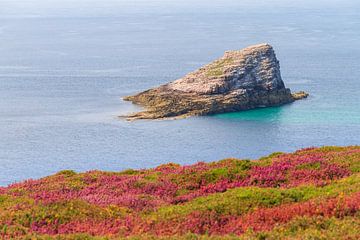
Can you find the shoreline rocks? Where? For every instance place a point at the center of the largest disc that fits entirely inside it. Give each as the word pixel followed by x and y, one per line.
pixel 240 80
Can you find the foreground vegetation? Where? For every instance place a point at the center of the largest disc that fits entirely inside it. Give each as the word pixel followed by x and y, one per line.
pixel 313 193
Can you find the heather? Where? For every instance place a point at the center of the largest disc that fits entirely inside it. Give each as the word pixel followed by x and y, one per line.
pixel 311 193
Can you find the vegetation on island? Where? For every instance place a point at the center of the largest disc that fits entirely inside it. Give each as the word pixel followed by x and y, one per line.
pixel 313 193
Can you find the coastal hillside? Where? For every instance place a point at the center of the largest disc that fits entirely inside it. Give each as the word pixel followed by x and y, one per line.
pixel 313 193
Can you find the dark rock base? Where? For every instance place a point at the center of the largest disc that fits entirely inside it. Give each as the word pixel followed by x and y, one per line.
pixel 160 103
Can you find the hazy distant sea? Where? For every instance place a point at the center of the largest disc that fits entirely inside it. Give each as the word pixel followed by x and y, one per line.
pixel 64 67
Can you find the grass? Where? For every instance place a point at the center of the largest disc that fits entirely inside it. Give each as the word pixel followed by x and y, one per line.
pixel 312 193
pixel 216 69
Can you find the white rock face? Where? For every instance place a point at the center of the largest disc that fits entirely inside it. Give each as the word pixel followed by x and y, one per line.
pixel 252 68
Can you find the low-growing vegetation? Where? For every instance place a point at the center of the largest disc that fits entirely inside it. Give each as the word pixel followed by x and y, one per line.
pixel 313 193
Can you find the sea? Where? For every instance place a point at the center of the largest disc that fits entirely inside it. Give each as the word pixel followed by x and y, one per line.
pixel 65 66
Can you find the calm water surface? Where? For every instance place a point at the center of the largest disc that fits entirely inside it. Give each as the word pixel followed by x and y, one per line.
pixel 64 67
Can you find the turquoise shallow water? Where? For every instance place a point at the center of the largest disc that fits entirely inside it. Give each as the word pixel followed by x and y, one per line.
pixel 298 116
pixel 65 65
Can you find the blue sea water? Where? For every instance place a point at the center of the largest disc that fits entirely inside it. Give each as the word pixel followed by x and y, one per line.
pixel 64 66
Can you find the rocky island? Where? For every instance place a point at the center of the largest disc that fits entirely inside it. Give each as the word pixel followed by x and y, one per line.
pixel 240 80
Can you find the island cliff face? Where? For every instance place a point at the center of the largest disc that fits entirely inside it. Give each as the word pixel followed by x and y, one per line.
pixel 240 80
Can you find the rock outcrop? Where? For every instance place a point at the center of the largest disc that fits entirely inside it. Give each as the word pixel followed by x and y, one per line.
pixel 240 80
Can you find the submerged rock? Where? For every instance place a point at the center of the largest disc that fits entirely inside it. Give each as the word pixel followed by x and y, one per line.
pixel 240 80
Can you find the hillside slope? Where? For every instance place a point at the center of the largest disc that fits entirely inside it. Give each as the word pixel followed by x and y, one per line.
pixel 312 193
